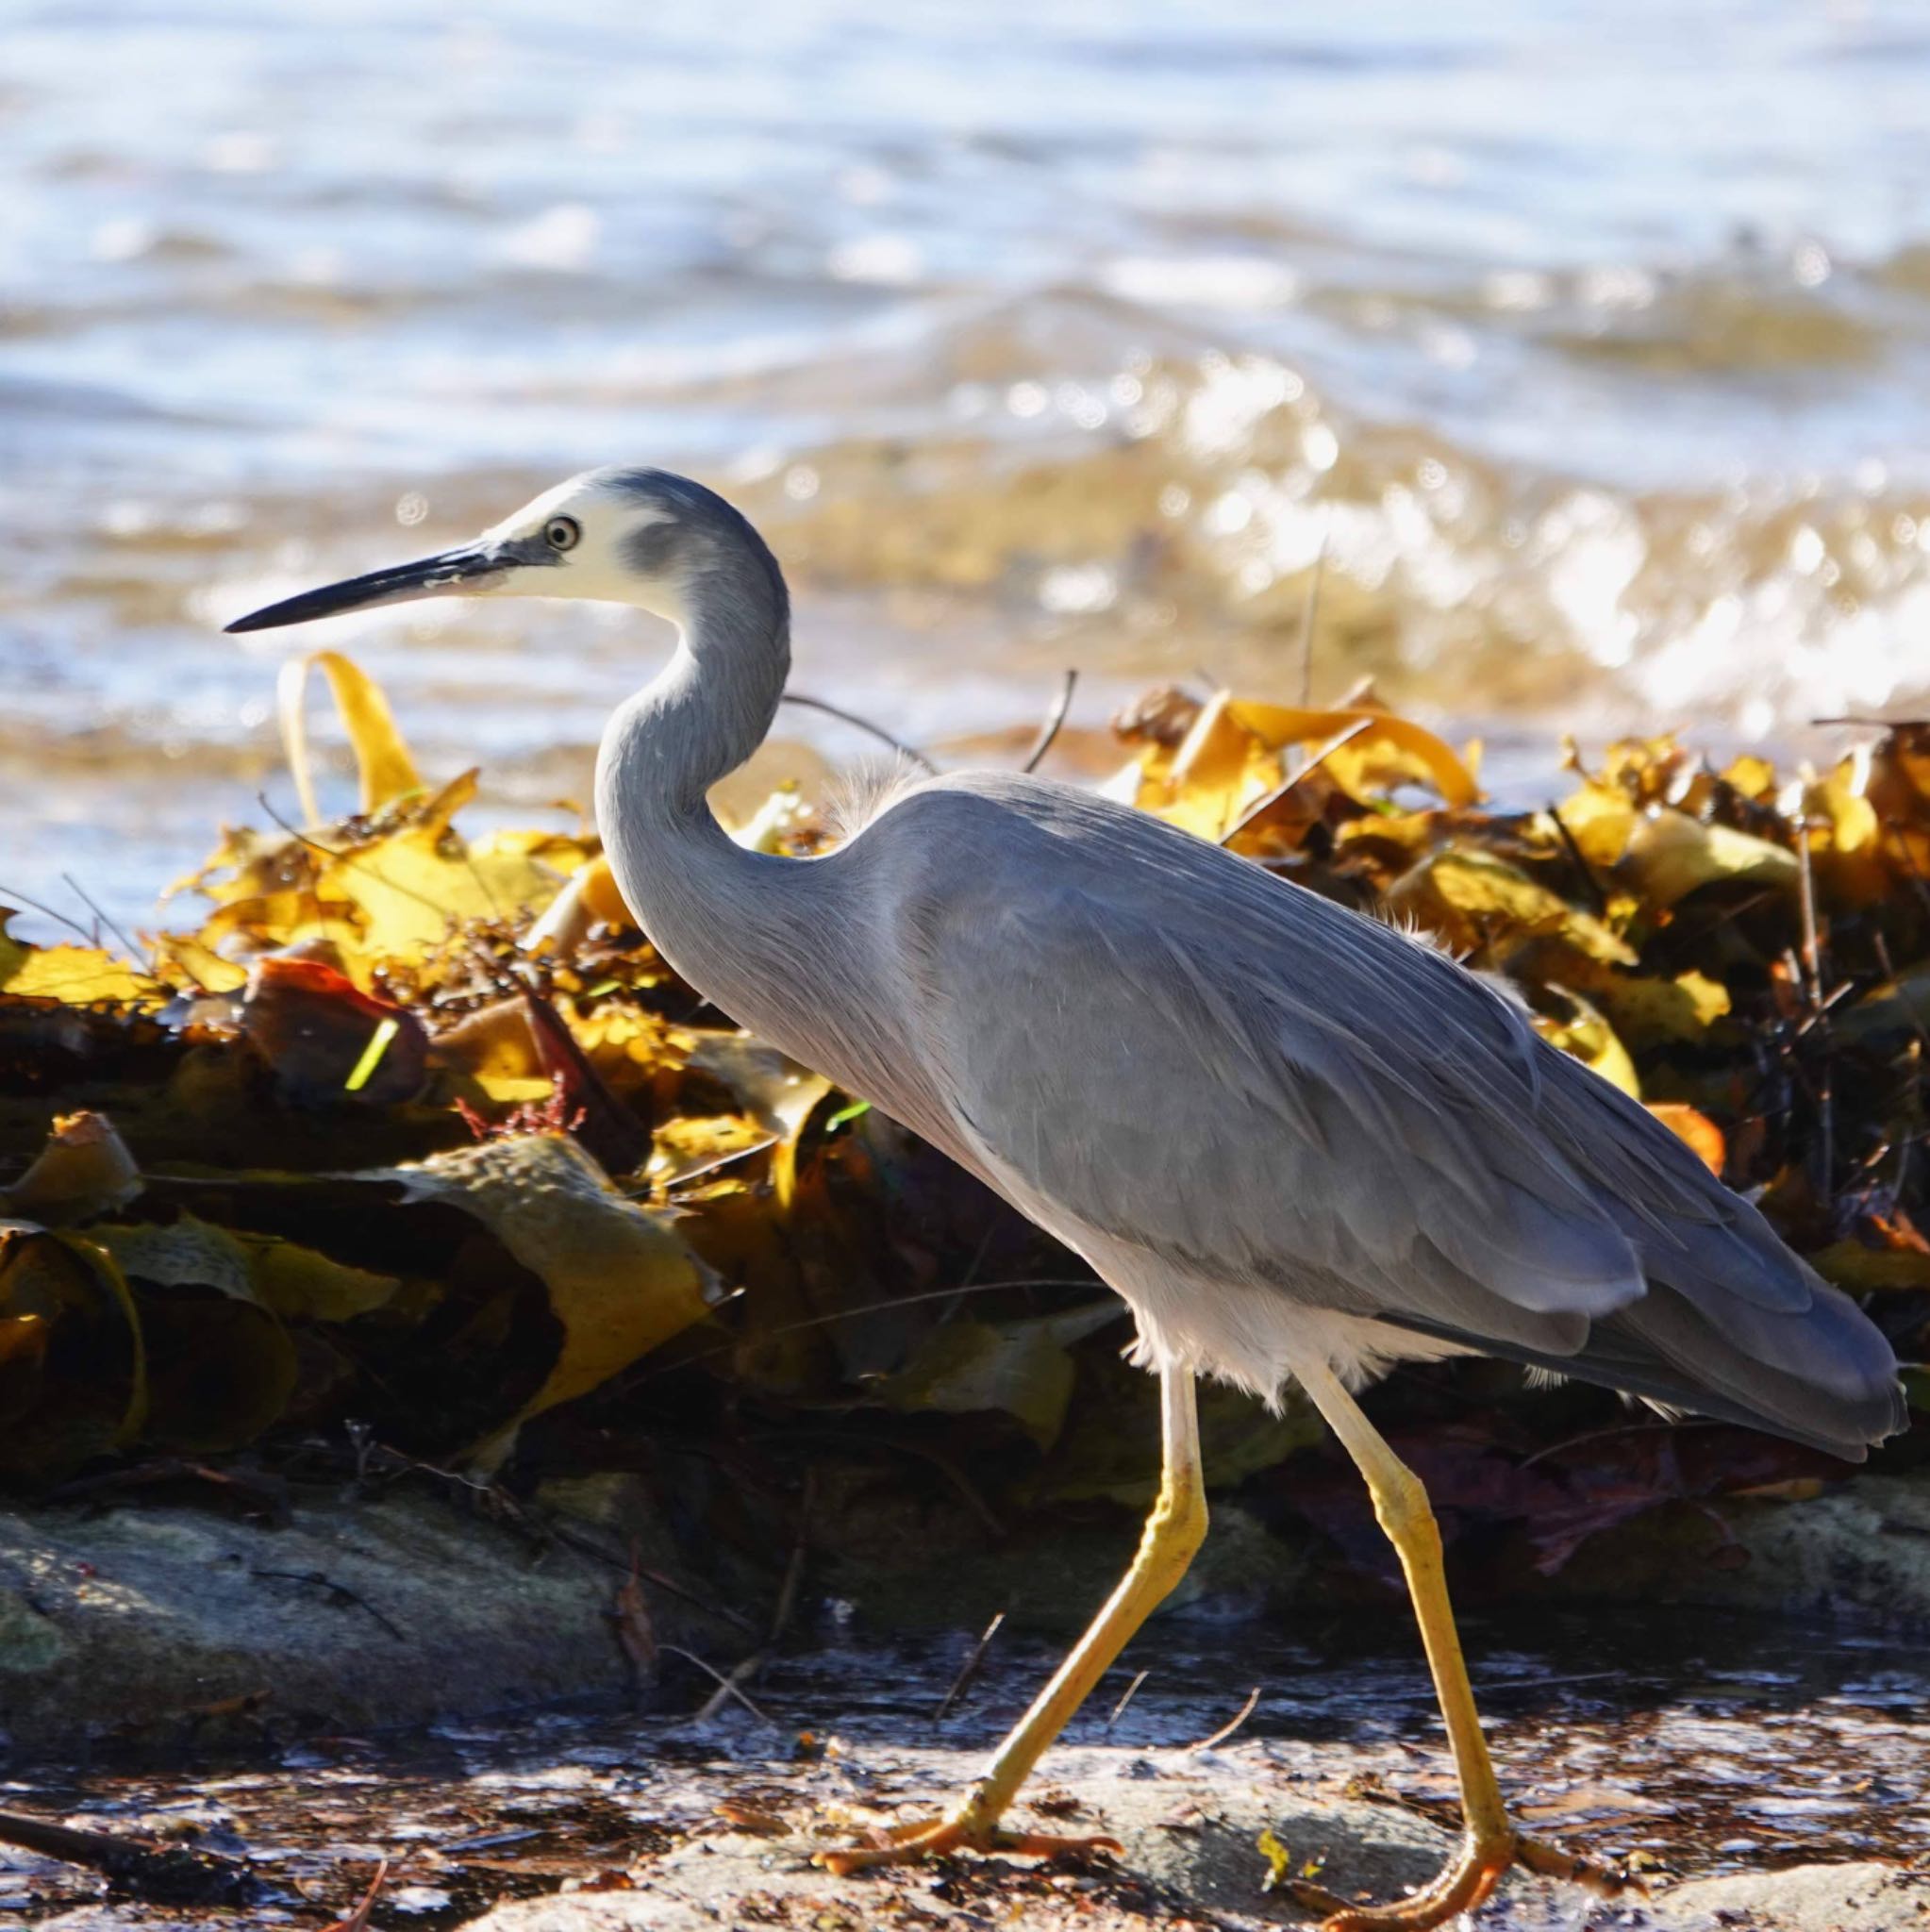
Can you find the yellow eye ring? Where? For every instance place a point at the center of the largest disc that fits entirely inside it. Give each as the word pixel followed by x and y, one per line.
pixel 562 533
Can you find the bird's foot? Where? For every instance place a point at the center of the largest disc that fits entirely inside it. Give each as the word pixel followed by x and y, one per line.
pixel 962 1831
pixel 1463 1884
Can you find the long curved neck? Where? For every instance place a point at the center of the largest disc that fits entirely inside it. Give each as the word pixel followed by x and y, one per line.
pixel 787 947
pixel 701 718
pixel 701 898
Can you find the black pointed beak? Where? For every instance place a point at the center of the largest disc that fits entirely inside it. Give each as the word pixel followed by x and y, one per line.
pixel 468 567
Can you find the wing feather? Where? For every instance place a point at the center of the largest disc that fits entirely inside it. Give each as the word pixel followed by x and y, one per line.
pixel 1165 1044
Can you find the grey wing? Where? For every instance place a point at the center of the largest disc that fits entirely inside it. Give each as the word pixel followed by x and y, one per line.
pixel 1255 1087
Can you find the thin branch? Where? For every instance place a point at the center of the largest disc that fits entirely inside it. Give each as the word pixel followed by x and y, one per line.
pixel 32 905
pixel 81 894
pixel 877 731
pixel 1597 897
pixel 1226 1731
pixel 1054 720
pixel 793 1571
pixel 1287 785
pixel 1688 1421
pixel 587 1546
pixel 690 1656
pixel 1132 1691
pixel 338 1594
pixel 967 1671
pixel 165 1875
pixel 1812 965
pixel 899 1301
pixel 785 1607
pixel 358 1919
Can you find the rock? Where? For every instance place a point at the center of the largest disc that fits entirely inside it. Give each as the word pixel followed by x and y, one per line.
pixel 378 1610
pixel 1191 1826
pixel 1809 1898
pixel 1863 1548
pixel 1191 1823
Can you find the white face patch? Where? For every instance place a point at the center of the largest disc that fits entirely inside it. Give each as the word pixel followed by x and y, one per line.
pixel 594 507
pixel 602 565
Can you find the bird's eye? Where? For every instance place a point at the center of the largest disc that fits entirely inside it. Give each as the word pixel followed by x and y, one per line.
pixel 562 533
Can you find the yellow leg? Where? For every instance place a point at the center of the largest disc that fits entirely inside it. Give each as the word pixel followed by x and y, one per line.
pixel 1172 1535
pixel 1491 1843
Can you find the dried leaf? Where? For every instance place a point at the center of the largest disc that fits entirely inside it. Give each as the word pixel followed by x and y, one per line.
pixel 220 1369
pixel 620 1282
pixel 328 1043
pixel 1670 855
pixel 1389 752
pixel 1697 1129
pixel 85 1170
pixel 75 975
pixel 1650 1013
pixel 1590 1039
pixel 388 771
pixel 296 1283
pixel 73 1362
pixel 409 890
pixel 1848 1264
pixel 1475 900
pixel 1020 1366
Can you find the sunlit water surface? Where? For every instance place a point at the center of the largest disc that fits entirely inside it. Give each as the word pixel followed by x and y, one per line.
pixel 1591 346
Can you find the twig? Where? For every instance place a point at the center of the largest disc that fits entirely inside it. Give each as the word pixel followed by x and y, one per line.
pixel 587 1546
pixel 877 731
pixel 1812 959
pixel 967 1671
pixel 338 1592
pixel 358 1919
pixel 898 1300
pixel 1132 1691
pixel 609 1129
pixel 1812 964
pixel 1688 1421
pixel 167 1877
pixel 793 1571
pixel 348 857
pixel 1287 785
pixel 33 905
pixel 690 1656
pixel 489 1840
pixel 1597 897
pixel 786 1606
pixel 1050 729
pixel 943 1464
pixel 86 898
pixel 1226 1731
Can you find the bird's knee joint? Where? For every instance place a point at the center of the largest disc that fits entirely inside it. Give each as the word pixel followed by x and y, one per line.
pixel 1177 1525
pixel 1399 1500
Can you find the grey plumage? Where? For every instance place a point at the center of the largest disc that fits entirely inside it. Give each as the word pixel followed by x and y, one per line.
pixel 1286 1133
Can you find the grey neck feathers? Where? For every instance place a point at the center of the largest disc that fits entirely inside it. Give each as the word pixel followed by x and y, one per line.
pixel 703 901
pixel 710 709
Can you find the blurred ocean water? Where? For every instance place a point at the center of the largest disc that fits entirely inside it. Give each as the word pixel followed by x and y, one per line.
pixel 1590 345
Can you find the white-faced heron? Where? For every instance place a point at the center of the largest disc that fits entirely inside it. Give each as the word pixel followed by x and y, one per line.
pixel 1300 1144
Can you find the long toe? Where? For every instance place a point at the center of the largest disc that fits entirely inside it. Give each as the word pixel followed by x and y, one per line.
pixel 908 1844
pixel 1460 1888
pixel 1462 1885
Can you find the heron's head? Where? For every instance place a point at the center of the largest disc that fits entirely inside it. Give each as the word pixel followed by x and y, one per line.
pixel 642 537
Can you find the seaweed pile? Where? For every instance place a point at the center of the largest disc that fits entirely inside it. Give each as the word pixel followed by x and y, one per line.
pixel 414 1154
